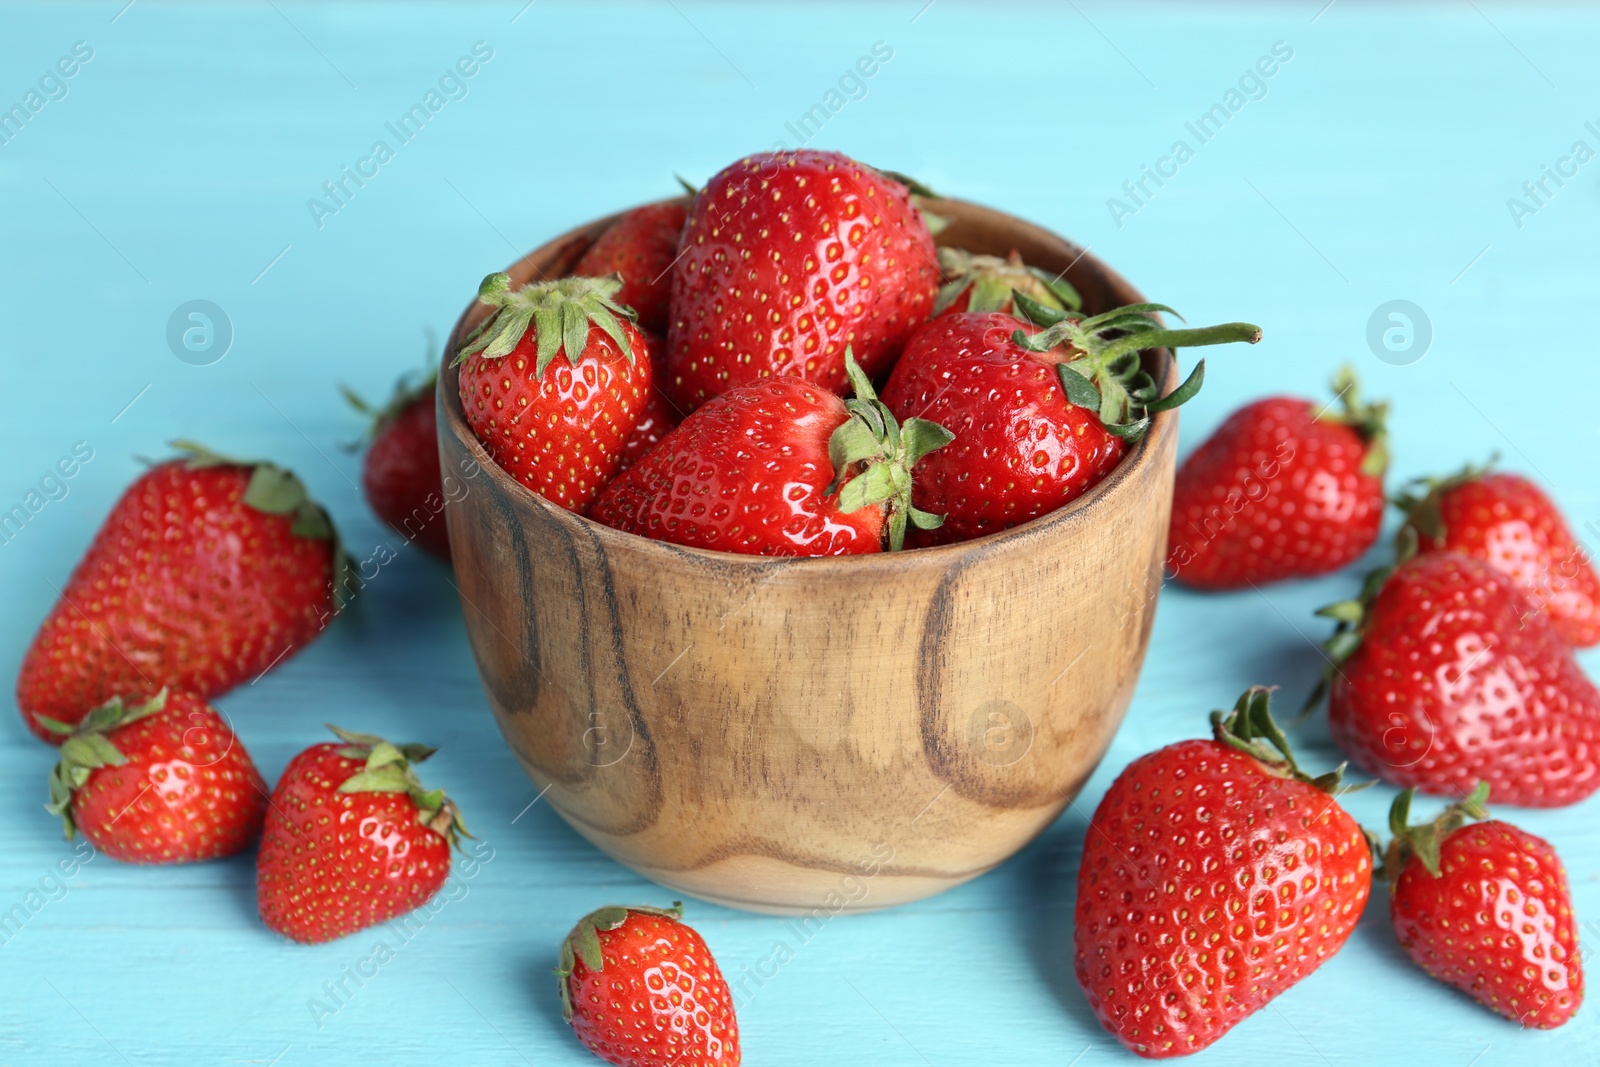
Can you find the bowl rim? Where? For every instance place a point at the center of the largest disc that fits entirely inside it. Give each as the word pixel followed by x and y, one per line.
pixel 1134 466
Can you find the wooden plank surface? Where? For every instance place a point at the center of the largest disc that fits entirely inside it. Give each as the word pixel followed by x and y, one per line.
pixel 177 162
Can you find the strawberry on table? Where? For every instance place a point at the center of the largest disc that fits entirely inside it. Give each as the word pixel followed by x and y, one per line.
pixel 1216 874
pixel 352 839
pixel 640 247
pixel 1485 907
pixel 1040 413
pixel 789 258
pixel 988 283
pixel 640 989
pixel 556 425
pixel 1509 523
pixel 163 781
pixel 1285 488
pixel 1442 675
pixel 400 474
pixel 208 572
pixel 779 467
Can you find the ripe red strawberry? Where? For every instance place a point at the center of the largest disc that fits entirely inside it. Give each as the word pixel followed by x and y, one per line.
pixel 1485 907
pixel 165 781
pixel 400 474
pixel 1039 415
pixel 789 258
pixel 640 247
pixel 1443 675
pixel 640 989
pixel 779 467
pixel 986 283
pixel 556 426
pixel 658 419
pixel 207 573
pixel 1506 521
pixel 1284 488
pixel 352 839
pixel 1215 876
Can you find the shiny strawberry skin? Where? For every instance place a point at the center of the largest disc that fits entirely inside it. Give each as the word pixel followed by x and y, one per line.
pixel 745 473
pixel 1021 448
pixel 187 793
pixel 640 246
pixel 1496 923
pixel 658 419
pixel 185 586
pixel 659 1001
pixel 561 434
pixel 1208 887
pixel 787 259
pixel 401 478
pixel 334 863
pixel 1456 680
pixel 1274 493
pixel 1506 521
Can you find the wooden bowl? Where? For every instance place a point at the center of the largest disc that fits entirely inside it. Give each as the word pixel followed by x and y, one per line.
pixel 813 735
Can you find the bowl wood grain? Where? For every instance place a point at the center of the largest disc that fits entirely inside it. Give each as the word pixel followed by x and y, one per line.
pixel 813 735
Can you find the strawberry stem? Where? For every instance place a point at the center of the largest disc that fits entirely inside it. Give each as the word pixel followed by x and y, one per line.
pixel 1251 729
pixel 1119 390
pixel 873 456
pixel 1425 840
pixel 88 748
pixel 560 313
pixel 584 942
pixel 389 768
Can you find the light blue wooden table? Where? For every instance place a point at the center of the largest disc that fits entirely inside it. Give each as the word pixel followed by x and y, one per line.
pixel 176 164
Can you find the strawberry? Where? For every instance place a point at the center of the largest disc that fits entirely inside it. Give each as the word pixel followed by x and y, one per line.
pixel 641 990
pixel 1216 874
pixel 787 259
pixel 400 474
pixel 1506 521
pixel 779 467
pixel 1039 414
pixel 640 247
pixel 1486 908
pixel 1282 489
pixel 658 419
pixel 987 283
pixel 352 839
pixel 208 572
pixel 165 781
pixel 556 427
pixel 1441 675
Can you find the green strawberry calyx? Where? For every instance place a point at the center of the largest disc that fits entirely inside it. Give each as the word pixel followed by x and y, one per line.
pixel 1421 501
pixel 408 390
pixel 990 281
pixel 1250 728
pixel 1370 420
pixel 389 768
pixel 1350 618
pixel 1424 840
pixel 87 749
pixel 275 490
pixel 1107 376
pixel 873 455
pixel 583 943
pixel 559 312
